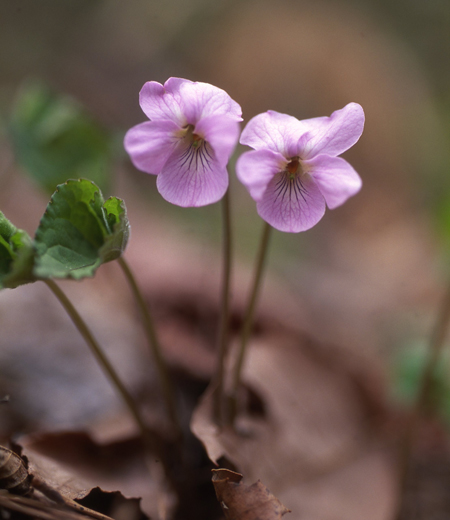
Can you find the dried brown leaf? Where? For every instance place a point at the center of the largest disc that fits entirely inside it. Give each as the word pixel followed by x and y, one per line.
pixel 39 509
pixel 242 502
pixel 80 469
pixel 314 445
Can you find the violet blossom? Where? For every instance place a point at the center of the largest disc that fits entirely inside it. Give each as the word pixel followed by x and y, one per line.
pixel 193 130
pixel 293 173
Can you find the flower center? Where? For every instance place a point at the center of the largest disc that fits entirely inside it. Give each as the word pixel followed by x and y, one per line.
pixel 294 168
pixel 196 140
pixel 289 183
pixel 193 139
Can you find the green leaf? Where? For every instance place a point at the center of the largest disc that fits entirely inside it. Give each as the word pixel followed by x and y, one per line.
pixel 79 232
pixel 408 370
pixel 117 222
pixel 16 255
pixel 54 139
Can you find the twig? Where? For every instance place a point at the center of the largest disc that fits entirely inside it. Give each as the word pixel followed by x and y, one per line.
pixel 45 511
pixel 55 496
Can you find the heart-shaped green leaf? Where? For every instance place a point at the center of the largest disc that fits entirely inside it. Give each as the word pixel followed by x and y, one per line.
pixel 79 232
pixel 16 255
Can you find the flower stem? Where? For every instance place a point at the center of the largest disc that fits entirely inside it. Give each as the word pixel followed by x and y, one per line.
pixel 166 384
pixel 224 311
pixel 437 339
pixel 248 318
pixel 99 354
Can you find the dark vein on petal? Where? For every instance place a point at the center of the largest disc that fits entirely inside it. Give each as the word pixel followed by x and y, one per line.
pixel 198 156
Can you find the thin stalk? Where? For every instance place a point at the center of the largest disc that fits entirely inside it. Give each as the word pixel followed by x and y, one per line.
pixel 152 338
pixel 248 319
pixel 224 310
pixel 437 339
pixel 99 354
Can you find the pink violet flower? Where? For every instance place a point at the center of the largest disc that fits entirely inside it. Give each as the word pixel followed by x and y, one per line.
pixel 193 130
pixel 293 171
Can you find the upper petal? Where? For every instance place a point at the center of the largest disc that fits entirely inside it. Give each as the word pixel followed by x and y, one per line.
pixel 332 135
pixel 335 177
pixel 257 168
pixel 202 100
pixel 150 144
pixel 186 102
pixel 291 206
pixel 192 176
pixel 160 102
pixel 222 134
pixel 273 131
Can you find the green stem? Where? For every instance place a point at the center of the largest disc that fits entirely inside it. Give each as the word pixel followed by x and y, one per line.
pixel 248 319
pixel 437 339
pixel 155 348
pixel 99 354
pixel 224 311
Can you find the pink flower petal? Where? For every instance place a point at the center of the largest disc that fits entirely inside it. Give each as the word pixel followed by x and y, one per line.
pixel 257 168
pixel 186 102
pixel 202 100
pixel 335 178
pixel 273 131
pixel 291 206
pixel 192 176
pixel 222 133
pixel 332 135
pixel 150 144
pixel 160 102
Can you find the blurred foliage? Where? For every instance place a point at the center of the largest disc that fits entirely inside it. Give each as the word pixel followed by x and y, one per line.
pixel 407 373
pixel 54 139
pixel 441 216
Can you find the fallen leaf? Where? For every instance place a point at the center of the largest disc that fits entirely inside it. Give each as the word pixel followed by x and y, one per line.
pixel 37 507
pixel 314 445
pixel 242 502
pixel 104 477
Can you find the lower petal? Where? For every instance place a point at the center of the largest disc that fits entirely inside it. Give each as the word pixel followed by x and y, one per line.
pixel 291 205
pixel 335 177
pixel 255 170
pixel 192 177
pixel 150 144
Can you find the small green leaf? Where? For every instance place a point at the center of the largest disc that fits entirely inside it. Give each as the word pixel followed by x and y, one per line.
pixel 16 255
pixel 119 228
pixel 54 139
pixel 79 232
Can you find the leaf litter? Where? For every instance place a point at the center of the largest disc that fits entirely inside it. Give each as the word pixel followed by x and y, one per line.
pixel 242 502
pixel 315 446
pixel 75 467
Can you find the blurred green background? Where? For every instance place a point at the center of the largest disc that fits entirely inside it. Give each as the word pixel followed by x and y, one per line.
pixel 371 273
